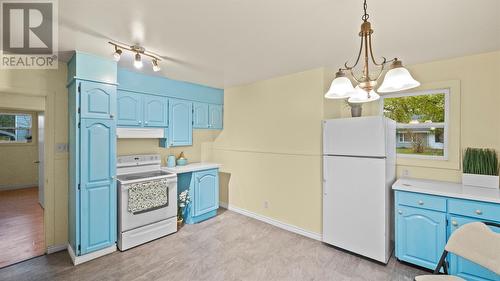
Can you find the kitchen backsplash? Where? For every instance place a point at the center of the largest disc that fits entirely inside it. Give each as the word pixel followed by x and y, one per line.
pixel 150 146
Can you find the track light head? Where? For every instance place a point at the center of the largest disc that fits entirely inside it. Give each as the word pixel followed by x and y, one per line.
pixel 156 67
pixel 138 61
pixel 117 54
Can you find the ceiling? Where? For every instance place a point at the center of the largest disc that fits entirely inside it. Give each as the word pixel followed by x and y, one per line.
pixel 223 43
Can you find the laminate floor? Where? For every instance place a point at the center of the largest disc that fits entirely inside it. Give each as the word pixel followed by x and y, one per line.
pixel 21 226
pixel 227 247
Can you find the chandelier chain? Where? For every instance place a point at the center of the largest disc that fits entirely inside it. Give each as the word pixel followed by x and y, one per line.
pixel 365 15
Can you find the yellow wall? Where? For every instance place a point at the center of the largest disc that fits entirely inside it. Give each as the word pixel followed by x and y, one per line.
pixel 270 148
pixel 19 171
pixel 150 146
pixel 271 143
pixel 45 90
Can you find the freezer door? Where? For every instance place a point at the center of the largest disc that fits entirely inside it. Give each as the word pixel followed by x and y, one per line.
pixel 355 206
pixel 360 136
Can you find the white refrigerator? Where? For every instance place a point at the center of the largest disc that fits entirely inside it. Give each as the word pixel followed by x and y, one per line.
pixel 359 167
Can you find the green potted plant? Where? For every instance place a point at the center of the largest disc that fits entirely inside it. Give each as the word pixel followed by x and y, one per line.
pixel 480 168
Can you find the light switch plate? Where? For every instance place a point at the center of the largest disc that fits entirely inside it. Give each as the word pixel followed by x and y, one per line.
pixel 61 147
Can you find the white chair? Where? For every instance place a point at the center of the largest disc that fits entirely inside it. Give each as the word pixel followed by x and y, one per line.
pixel 475 242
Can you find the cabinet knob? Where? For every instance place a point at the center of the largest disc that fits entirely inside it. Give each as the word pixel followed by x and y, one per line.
pixel 454 223
pixel 400 212
pixel 140 122
pixel 146 122
pixel 111 116
pixel 479 212
pixel 420 202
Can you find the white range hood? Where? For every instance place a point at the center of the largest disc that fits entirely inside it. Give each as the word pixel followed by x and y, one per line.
pixel 140 133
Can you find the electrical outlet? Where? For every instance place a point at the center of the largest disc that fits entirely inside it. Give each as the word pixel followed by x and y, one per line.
pixel 406 173
pixel 266 204
pixel 61 147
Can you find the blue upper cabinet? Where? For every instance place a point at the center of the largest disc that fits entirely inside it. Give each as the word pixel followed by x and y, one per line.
pixel 141 110
pixel 98 186
pixel 420 235
pixel 129 109
pixel 180 116
pixel 97 100
pixel 206 192
pixel 200 115
pixel 155 111
pixel 215 116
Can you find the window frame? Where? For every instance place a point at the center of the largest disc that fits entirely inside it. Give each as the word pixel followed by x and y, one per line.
pixel 32 129
pixel 446 92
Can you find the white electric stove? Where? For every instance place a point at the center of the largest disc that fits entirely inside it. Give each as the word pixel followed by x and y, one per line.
pixel 147 200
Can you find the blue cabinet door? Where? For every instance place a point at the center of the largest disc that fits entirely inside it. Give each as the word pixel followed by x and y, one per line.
pixel 97 100
pixel 155 111
pixel 200 115
pixel 129 109
pixel 420 235
pixel 465 268
pixel 206 192
pixel 180 119
pixel 215 116
pixel 97 184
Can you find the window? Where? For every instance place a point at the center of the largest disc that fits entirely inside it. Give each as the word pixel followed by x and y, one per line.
pixel 421 122
pixel 15 128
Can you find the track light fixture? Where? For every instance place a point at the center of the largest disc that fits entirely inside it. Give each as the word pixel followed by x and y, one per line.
pixel 156 67
pixel 138 61
pixel 139 53
pixel 117 54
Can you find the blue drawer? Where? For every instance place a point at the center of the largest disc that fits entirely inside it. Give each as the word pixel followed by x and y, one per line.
pixel 475 209
pixel 422 201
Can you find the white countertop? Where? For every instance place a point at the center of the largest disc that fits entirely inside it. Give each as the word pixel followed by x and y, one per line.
pixel 448 189
pixel 191 167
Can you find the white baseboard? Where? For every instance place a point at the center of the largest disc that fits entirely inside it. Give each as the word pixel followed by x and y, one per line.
pixel 88 257
pixel 223 204
pixel 56 248
pixel 16 186
pixel 285 226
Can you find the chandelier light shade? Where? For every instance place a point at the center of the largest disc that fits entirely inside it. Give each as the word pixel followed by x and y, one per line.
pixel 340 88
pixel 139 52
pixel 396 79
pixel 361 96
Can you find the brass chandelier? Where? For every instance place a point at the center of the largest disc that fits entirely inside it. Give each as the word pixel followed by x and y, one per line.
pixel 396 79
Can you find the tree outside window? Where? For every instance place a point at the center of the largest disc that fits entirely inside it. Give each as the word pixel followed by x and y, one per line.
pixel 420 122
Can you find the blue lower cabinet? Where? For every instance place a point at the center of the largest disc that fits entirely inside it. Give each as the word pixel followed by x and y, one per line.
pixel 206 192
pixel 203 189
pixel 424 223
pixel 98 185
pixel 420 236
pixel 462 267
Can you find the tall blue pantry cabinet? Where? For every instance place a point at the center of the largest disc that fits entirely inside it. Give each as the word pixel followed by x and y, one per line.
pixel 92 143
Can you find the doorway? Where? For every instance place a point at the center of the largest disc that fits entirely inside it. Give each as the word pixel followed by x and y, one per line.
pixel 21 185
